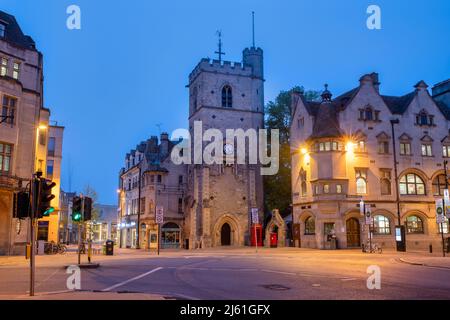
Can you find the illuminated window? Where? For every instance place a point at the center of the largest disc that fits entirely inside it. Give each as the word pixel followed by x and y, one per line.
pixel 16 68
pixel 414 224
pixel 227 97
pixel 427 150
pixel 4 67
pixel 310 226
pixel 411 184
pixel 326 188
pixel 381 225
pixel 338 188
pixel 443 227
pixel 360 146
pixel 5 157
pixel 446 151
pixel 405 148
pixel 361 181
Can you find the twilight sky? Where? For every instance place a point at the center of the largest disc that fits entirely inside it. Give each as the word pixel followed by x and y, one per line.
pixel 125 71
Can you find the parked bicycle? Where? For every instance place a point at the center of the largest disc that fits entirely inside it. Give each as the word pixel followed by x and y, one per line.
pixel 374 248
pixel 54 248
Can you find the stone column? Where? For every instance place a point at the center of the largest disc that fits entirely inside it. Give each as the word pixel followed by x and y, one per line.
pixel 206 211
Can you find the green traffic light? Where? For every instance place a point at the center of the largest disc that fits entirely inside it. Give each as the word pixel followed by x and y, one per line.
pixel 77 216
pixel 47 213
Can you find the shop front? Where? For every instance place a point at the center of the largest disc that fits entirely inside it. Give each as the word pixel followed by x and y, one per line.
pixel 170 236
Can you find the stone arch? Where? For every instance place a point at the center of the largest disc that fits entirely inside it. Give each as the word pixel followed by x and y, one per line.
pixel 232 221
pixel 423 216
pixel 280 225
pixel 419 172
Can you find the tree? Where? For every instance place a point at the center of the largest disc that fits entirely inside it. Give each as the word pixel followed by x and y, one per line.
pixel 95 214
pixel 279 116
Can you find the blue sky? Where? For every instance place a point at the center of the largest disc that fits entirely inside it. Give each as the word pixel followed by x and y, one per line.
pixel 125 71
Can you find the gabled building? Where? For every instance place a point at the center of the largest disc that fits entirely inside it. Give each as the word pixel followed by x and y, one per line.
pixel 343 153
pixel 150 179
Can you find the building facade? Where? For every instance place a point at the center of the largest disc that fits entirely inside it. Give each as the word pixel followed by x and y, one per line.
pixel 23 128
pixel 150 179
pixel 343 152
pixel 224 95
pixel 104 227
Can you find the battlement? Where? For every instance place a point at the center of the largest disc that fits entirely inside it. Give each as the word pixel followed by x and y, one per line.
pixel 228 67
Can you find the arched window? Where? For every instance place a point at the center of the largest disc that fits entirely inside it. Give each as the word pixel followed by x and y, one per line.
pixel 439 185
pixel 411 184
pixel 227 97
pixel 414 224
pixel 310 226
pixel 195 97
pixel 381 225
pixel 361 182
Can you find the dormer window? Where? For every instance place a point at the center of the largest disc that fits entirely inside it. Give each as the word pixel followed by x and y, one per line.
pixel 227 97
pixel 369 114
pixel 424 119
pixel 2 30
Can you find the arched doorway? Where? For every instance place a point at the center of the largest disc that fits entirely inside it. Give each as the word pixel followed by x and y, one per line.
pixel 170 235
pixel 353 233
pixel 225 235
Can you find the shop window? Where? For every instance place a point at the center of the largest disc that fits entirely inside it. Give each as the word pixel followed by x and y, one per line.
pixel 381 225
pixel 414 224
pixel 310 226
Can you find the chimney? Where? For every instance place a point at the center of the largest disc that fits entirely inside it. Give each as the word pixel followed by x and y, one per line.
pixel 164 143
pixel 376 82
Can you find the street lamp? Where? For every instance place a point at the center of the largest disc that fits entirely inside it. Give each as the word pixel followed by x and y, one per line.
pixel 399 230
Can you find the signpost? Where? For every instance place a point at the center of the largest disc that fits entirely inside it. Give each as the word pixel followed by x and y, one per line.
pixel 159 219
pixel 255 221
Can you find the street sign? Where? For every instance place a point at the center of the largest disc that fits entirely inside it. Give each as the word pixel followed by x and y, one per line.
pixel 368 215
pixel 361 207
pixel 440 217
pixel 446 196
pixel 159 215
pixel 255 216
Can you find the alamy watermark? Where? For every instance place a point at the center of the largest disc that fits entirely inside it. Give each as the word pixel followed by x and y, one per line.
pixel 73 21
pixel 237 147
pixel 74 280
pixel 374 20
pixel 374 280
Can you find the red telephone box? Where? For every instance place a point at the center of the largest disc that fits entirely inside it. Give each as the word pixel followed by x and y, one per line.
pixel 257 233
pixel 273 239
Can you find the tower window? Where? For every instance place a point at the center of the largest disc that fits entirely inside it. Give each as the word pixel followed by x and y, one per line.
pixel 227 97
pixel 2 30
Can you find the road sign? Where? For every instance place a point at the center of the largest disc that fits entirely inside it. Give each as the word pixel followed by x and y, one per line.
pixel 159 215
pixel 368 215
pixel 446 196
pixel 440 217
pixel 255 216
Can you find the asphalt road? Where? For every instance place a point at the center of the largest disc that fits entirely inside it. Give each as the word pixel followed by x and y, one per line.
pixel 242 274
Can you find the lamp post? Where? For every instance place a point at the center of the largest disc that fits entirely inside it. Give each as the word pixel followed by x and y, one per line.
pixel 400 230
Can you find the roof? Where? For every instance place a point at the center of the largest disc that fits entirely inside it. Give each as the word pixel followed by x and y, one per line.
pixel 326 123
pixel 14 34
pixel 398 105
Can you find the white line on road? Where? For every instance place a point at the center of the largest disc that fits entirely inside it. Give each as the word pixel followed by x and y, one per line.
pixel 132 279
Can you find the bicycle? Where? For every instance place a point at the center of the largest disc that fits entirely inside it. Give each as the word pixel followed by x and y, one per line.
pixel 375 248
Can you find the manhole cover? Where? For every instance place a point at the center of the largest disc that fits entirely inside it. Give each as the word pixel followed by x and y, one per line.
pixel 275 287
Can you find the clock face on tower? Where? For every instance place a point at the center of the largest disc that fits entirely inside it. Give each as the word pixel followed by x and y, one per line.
pixel 228 149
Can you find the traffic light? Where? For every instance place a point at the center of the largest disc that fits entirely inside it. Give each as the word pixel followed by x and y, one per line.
pixel 45 198
pixel 87 209
pixel 21 208
pixel 76 209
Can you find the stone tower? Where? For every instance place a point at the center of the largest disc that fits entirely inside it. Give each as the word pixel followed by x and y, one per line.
pixel 225 95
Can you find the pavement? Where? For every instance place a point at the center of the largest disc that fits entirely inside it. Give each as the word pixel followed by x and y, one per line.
pixel 230 274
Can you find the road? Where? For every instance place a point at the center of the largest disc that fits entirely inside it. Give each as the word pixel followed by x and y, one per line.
pixel 229 274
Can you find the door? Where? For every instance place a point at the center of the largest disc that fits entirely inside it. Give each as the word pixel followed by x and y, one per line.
pixel 225 235
pixel 353 233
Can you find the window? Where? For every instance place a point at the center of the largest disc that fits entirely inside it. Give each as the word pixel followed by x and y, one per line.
pixel 227 97
pixel 317 189
pixel 51 146
pixel 42 137
pixel 310 226
pixel 414 224
pixel 439 185
pixel 159 178
pixel 444 227
pixel 405 148
pixel 338 188
pixel 424 119
pixel 427 150
pixel 303 182
pixel 16 68
pixel 326 188
pixel 328 228
pixel 8 109
pixel 381 225
pixel 180 179
pixel 4 67
pixel 383 147
pixel 2 30
pixel 361 181
pixel 142 205
pixel 300 122
pixel 50 166
pixel 385 181
pixel 5 157
pixel 411 184
pixel 446 151
pixel 180 205
pixel 304 191
pixel 360 146
pixel 369 114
